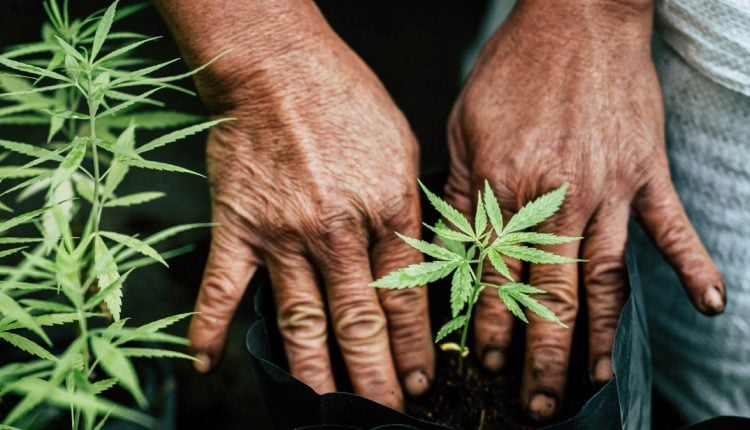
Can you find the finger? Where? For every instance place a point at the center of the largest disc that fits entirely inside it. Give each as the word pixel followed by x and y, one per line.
pixel 662 215
pixel 231 264
pixel 407 314
pixel 606 283
pixel 358 320
pixel 493 323
pixel 458 189
pixel 547 343
pixel 302 320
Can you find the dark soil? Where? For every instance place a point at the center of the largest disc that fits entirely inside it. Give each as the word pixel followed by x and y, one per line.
pixel 475 400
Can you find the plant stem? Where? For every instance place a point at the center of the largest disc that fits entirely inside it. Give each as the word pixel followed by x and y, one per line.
pixel 476 289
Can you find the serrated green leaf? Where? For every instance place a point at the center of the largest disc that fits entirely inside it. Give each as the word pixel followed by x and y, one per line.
pixel 21 219
pixel 536 238
pixel 499 264
pixel 480 217
pixel 430 249
pixel 492 208
pixel 449 212
pixel 533 255
pixel 44 305
pixel 102 30
pixel 118 366
pixel 461 288
pixel 29 150
pixel 452 245
pixel 178 135
pixel 446 233
pixel 130 100
pixel 161 236
pixel 512 305
pixel 10 308
pixel 134 244
pixel 537 308
pixel 536 211
pixel 154 353
pixel 99 387
pixel 134 199
pixel 154 120
pixel 106 273
pixel 52 394
pixel 34 70
pixel 14 240
pixel 156 165
pixel 27 345
pixel 163 323
pixel 69 49
pixel 7 252
pixel 70 164
pixel 416 275
pixel 450 327
pixel 125 49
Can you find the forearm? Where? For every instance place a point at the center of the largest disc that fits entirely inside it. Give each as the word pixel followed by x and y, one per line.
pixel 605 30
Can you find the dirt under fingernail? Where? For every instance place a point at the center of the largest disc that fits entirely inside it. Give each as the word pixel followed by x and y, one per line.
pixel 493 360
pixel 416 383
pixel 542 407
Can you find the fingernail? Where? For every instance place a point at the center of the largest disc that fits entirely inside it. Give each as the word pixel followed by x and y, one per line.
pixel 713 301
pixel 602 371
pixel 493 360
pixel 542 407
pixel 202 363
pixel 416 383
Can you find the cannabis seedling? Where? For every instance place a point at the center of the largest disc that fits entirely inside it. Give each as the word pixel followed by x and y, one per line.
pixel 467 247
pixel 85 86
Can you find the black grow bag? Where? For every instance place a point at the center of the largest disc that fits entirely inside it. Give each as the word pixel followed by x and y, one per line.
pixel 622 403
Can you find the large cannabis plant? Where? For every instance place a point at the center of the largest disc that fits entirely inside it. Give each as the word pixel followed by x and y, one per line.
pixel 466 248
pixel 82 83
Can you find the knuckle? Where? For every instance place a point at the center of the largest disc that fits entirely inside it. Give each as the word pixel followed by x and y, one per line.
pixel 218 293
pixel 547 362
pixel 302 322
pixel 605 271
pixel 407 315
pixel 334 227
pixel 358 323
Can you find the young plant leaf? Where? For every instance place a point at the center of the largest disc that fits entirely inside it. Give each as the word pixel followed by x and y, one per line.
pixel 430 249
pixel 107 275
pixel 512 305
pixel 103 29
pixel 499 264
pixel 179 134
pixel 29 150
pixel 492 208
pixel 533 255
pixel 537 210
pixel 118 366
pixel 450 327
pixel 536 238
pixel 10 308
pixel 480 217
pixel 461 289
pixel 27 345
pixel 449 212
pixel 134 199
pixel 416 275
pixel 446 233
pixel 134 244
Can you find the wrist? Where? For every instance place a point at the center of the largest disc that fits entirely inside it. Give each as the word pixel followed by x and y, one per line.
pixel 578 27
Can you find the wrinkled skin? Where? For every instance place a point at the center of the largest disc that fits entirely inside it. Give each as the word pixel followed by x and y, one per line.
pixel 543 107
pixel 312 179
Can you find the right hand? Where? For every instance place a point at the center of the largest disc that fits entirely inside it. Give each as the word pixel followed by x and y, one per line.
pixel 311 179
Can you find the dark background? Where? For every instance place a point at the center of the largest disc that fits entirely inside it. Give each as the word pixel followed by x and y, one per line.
pixel 415 47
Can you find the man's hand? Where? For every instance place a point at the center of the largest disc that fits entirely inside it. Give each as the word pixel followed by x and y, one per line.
pixel 312 178
pixel 567 92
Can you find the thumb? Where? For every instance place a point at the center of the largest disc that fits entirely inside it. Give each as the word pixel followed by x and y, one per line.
pixel 663 216
pixel 231 264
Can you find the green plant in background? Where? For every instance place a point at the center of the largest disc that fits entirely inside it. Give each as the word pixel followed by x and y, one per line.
pixel 467 247
pixel 82 83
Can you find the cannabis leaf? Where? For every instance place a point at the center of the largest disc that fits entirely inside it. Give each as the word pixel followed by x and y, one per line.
pixel 466 264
